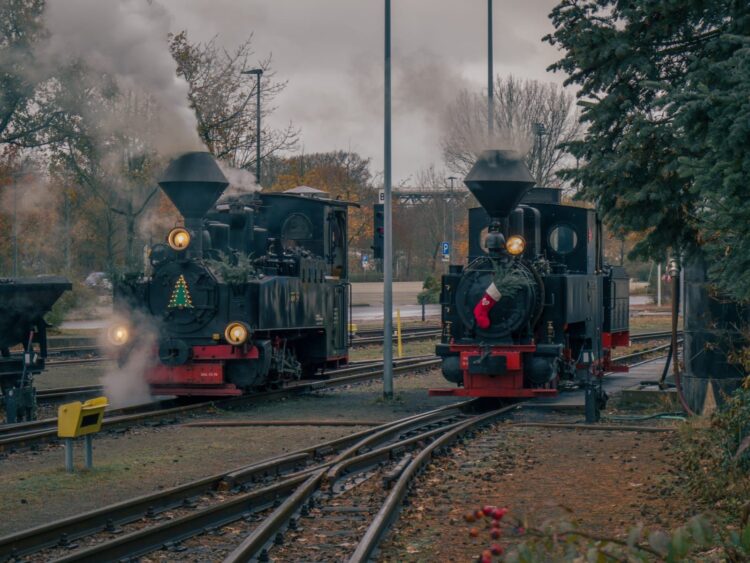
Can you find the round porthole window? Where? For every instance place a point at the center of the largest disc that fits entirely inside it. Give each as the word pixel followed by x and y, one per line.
pixel 563 239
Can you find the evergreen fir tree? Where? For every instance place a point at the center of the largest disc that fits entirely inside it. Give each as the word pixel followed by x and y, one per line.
pixel 664 90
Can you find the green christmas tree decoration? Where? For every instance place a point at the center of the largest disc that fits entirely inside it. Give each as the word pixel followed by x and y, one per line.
pixel 180 295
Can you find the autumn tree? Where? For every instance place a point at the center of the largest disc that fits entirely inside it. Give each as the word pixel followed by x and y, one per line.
pixel 344 175
pixel 224 100
pixel 520 105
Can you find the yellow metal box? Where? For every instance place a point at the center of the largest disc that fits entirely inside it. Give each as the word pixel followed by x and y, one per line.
pixel 78 419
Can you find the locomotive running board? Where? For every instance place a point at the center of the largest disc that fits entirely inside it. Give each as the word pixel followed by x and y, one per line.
pixel 224 391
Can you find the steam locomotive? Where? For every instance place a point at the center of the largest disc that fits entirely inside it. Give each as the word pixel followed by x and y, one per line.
pixel 251 292
pixel 536 308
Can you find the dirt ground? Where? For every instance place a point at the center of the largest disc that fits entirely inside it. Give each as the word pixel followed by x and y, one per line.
pixel 143 459
pixel 602 482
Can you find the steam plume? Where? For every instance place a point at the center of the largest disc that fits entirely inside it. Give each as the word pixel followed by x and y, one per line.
pixel 126 39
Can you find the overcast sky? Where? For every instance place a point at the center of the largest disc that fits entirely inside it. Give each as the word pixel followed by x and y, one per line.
pixel 331 53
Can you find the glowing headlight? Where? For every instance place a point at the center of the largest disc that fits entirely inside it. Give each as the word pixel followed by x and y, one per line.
pixel 118 334
pixel 178 238
pixel 515 245
pixel 236 333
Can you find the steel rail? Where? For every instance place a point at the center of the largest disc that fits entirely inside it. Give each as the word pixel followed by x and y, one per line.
pixel 26 433
pixel 253 545
pixel 108 517
pixel 394 501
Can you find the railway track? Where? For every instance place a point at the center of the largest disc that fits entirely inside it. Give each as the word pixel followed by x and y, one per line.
pixel 28 433
pixel 335 499
pixel 258 500
pixel 61 356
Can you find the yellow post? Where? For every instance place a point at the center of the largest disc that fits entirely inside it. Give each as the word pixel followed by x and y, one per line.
pixel 398 333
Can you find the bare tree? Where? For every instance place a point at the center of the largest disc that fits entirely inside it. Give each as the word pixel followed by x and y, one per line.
pixel 520 107
pixel 224 100
pixel 30 104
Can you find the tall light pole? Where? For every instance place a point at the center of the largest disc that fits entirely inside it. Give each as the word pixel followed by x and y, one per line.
pixel 453 219
pixel 539 131
pixel 387 210
pixel 490 77
pixel 15 227
pixel 258 72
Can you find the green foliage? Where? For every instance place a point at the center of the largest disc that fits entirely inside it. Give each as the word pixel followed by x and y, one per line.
pixel 430 291
pixel 663 87
pixel 234 269
pixel 714 466
pixel 509 279
pixel 562 541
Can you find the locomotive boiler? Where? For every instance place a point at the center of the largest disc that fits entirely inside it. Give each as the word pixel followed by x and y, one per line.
pixel 252 291
pixel 536 309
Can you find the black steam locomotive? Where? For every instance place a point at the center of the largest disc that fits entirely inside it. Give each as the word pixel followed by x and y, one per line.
pixel 252 291
pixel 536 308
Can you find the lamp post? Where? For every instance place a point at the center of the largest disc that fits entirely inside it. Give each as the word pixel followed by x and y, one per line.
pixel 258 72
pixel 453 219
pixel 387 211
pixel 490 85
pixel 15 227
pixel 539 131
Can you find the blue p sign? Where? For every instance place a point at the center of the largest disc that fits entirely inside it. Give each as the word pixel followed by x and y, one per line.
pixel 446 249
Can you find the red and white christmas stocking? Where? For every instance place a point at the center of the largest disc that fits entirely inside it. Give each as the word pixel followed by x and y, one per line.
pixel 486 303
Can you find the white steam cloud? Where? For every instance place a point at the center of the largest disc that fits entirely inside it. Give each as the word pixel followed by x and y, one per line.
pixel 126 39
pixel 125 385
pixel 240 181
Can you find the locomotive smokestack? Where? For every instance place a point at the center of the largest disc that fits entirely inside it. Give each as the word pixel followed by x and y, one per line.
pixel 193 181
pixel 499 179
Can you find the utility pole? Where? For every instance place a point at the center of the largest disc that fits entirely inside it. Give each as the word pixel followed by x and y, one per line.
pixel 15 227
pixel 453 218
pixel 67 231
pixel 388 250
pixel 539 131
pixel 258 72
pixel 490 77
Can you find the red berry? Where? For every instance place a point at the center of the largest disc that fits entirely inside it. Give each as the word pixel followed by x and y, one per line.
pixel 521 531
pixel 495 524
pixel 474 532
pixel 495 533
pixel 485 559
pixel 498 513
pixel 469 517
pixel 488 510
pixel 496 549
pixel 479 514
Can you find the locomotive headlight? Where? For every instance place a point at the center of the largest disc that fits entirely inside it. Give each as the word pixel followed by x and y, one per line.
pixel 515 245
pixel 236 333
pixel 118 334
pixel 179 238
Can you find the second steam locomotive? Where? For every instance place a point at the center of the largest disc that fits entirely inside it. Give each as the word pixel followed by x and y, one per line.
pixel 252 291
pixel 536 308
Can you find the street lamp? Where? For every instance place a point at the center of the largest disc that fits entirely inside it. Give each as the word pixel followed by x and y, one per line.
pixel 453 222
pixel 258 72
pixel 490 77
pixel 539 130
